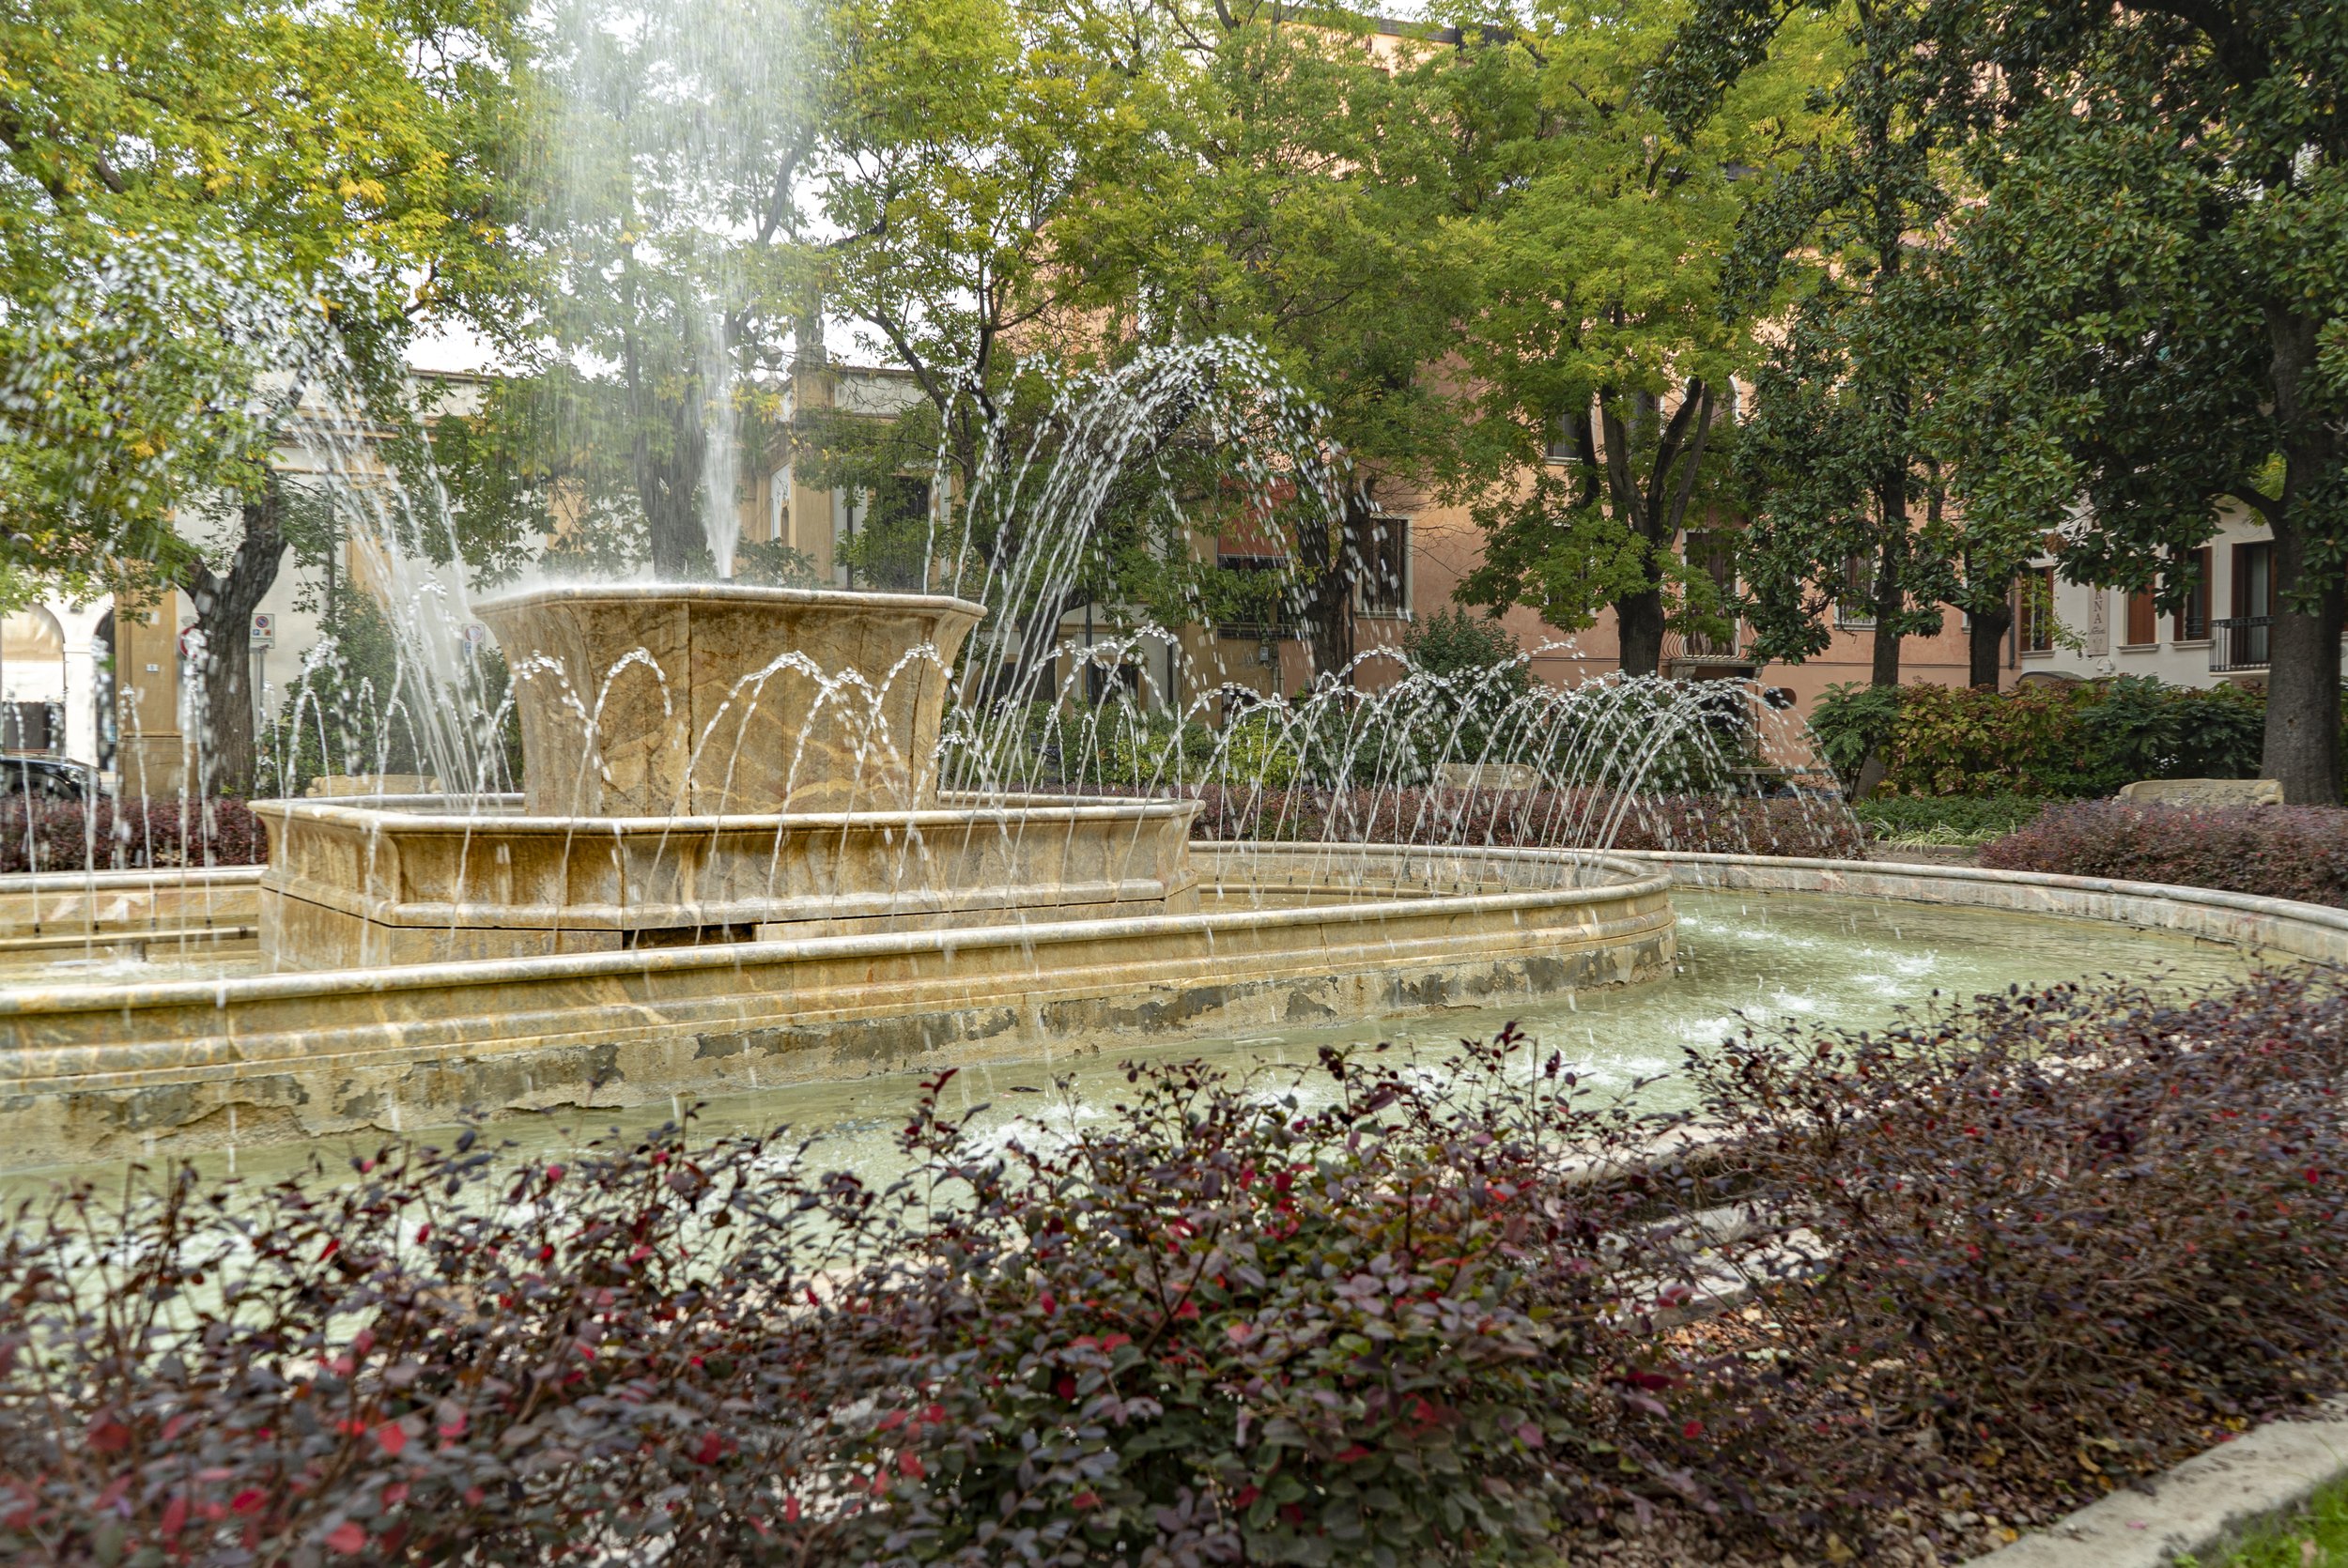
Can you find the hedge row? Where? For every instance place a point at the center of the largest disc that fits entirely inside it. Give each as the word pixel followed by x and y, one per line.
pixel 1367 1314
pixel 2281 852
pixel 38 835
pixel 1575 818
pixel 2082 739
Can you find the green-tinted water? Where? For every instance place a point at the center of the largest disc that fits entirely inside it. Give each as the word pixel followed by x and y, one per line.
pixel 1767 958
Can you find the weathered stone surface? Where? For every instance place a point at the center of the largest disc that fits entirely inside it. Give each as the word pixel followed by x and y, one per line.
pixel 98 1070
pixel 1488 776
pixel 2201 1509
pixel 638 701
pixel 353 887
pixel 2204 791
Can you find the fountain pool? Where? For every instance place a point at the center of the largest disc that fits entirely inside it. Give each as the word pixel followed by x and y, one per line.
pixel 1768 958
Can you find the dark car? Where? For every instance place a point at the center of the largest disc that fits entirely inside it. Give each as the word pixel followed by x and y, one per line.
pixel 46 778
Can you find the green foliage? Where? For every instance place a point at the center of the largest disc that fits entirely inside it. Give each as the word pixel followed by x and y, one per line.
pixel 772 563
pixel 2038 741
pixel 1851 720
pixel 2314 1536
pixel 1597 231
pixel 1482 670
pixel 189 188
pixel 2160 263
pixel 1959 820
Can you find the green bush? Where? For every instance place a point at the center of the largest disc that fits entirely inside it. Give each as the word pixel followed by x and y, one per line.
pixel 2060 741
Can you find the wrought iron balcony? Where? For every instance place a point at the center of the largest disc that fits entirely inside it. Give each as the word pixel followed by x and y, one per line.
pixel 2240 642
pixel 1694 650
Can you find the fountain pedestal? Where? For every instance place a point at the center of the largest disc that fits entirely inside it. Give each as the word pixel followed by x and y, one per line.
pixel 705 765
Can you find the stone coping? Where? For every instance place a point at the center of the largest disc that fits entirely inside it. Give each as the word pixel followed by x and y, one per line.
pixel 1634 880
pixel 2202 1508
pixel 723 592
pixel 508 820
pixel 113 881
pixel 2317 932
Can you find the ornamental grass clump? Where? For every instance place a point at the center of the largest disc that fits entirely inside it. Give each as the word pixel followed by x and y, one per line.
pixel 2278 851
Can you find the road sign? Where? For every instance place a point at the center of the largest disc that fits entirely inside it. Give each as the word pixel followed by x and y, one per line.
pixel 264 629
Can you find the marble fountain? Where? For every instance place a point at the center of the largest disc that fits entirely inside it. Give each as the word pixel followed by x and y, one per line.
pixel 733 868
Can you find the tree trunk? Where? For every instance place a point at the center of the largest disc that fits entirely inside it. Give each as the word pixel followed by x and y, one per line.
pixel 223 603
pixel 1884 667
pixel 2303 682
pixel 1985 646
pixel 1639 625
pixel 1327 588
pixel 1891 601
pixel 2303 645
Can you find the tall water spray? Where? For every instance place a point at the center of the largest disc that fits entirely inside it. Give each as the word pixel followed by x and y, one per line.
pixel 721 448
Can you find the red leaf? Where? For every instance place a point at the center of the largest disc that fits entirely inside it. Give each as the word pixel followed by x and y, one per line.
pixel 109 1436
pixel 175 1513
pixel 248 1501
pixel 1694 1429
pixel 1087 1498
pixel 712 1449
pixel 391 1437
pixel 909 1464
pixel 347 1537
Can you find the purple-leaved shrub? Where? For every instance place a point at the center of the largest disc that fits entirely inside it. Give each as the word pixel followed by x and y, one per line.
pixel 2282 851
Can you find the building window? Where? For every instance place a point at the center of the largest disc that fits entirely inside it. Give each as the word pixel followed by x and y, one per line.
pixel 1381 566
pixel 1855 605
pixel 2191 623
pixel 1563 445
pixel 2143 621
pixel 2255 580
pixel 2034 610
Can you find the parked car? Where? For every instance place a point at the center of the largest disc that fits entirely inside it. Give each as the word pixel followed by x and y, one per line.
pixel 46 778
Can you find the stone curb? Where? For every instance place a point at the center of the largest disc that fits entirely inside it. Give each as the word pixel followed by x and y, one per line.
pixel 2203 1508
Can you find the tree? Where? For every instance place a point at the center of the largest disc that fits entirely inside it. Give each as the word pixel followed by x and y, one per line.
pixel 1601 360
pixel 205 211
pixel 1849 457
pixel 1310 214
pixel 2162 265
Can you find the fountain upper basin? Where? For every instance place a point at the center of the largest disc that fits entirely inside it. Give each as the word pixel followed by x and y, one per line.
pixel 642 699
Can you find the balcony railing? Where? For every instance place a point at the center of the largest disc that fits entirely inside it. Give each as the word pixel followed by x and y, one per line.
pixel 1694 650
pixel 2240 642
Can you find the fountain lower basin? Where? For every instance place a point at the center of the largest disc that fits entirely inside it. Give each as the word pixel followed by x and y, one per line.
pixel 732 868
pixel 95 1071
